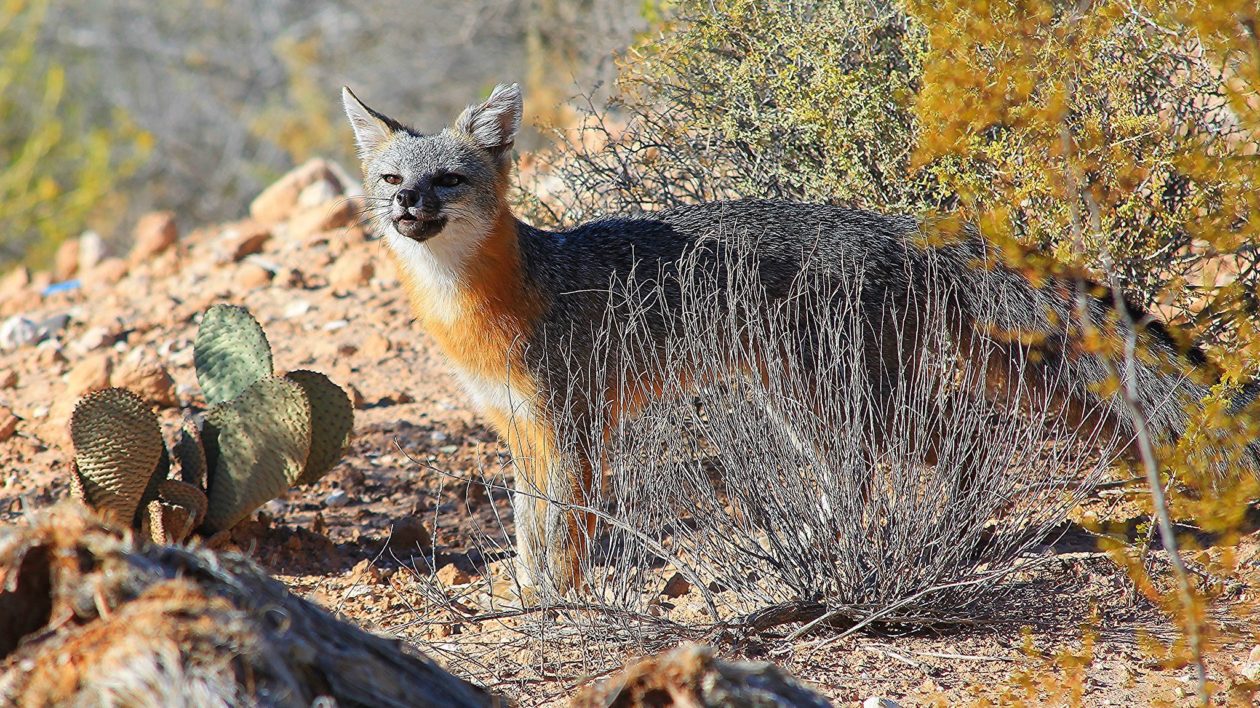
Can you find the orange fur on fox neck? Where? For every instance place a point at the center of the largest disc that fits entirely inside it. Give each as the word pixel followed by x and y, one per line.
pixel 496 309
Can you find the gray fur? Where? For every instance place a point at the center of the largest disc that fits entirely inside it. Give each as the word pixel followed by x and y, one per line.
pixel 580 275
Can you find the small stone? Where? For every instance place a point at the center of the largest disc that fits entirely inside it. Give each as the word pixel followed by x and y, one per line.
pixel 93 339
pixel 450 574
pixel 365 572
pixel 91 374
pixel 879 702
pixel 276 508
pixel 350 272
pixel 108 272
pixel 1253 655
pixel 49 355
pixel 289 278
pixel 149 380
pixel 8 379
pixel 240 241
pixel 409 534
pixel 375 345
pixel 676 586
pixel 66 261
pixel 337 499
pixel 277 202
pixel 251 276
pixel 8 423
pixel 318 192
pixel 91 250
pixel 15 282
pixel 335 325
pixel 448 449
pixel 17 331
pixel 296 309
pixel 40 412
pixel 311 222
pixel 155 232
pixel 356 396
pixel 52 326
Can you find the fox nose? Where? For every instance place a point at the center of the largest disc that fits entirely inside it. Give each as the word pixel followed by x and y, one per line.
pixel 407 198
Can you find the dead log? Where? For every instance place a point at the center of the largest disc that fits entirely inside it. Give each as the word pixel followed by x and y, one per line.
pixel 90 615
pixel 690 677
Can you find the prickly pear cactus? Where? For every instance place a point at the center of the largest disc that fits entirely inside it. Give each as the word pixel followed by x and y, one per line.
pixel 230 353
pixel 117 447
pixel 261 435
pixel 264 439
pixel 332 417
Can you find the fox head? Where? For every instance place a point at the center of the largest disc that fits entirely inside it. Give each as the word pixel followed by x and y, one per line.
pixel 442 190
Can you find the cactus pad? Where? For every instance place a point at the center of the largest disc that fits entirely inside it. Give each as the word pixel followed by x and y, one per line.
pixel 176 493
pixel 167 523
pixel 332 417
pixel 263 438
pixel 117 447
pixel 231 353
pixel 190 455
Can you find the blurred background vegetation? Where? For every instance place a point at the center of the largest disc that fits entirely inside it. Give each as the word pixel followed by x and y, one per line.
pixel 110 109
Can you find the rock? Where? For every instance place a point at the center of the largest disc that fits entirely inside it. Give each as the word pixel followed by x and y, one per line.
pixel 337 499
pixel 14 282
pixel 49 355
pixel 17 331
pixel 375 345
pixel 450 574
pixel 296 309
pixel 91 250
pixel 691 675
pixel 286 277
pixel 309 222
pixel 93 339
pixel 365 572
pixel 409 535
pixel 66 261
pixel 880 702
pixel 51 326
pixel 318 192
pixel 241 240
pixel 8 379
pixel 250 276
pixel 108 272
pixel 356 396
pixel 91 374
pixel 155 233
pixel 149 380
pixel 676 586
pixel 8 424
pixel 350 272
pixel 277 202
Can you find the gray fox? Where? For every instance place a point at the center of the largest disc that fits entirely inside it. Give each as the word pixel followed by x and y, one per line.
pixel 501 296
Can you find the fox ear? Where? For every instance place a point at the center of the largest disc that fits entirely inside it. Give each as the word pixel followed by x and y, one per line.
pixel 370 128
pixel 492 125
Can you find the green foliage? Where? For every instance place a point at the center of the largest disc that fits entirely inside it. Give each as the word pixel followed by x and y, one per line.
pixel 58 173
pixel 262 434
pixel 231 352
pixel 263 438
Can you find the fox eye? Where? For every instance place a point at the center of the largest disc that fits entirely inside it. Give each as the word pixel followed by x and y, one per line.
pixel 392 179
pixel 449 179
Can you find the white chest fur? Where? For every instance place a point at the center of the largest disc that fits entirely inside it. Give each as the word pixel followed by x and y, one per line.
pixel 438 265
